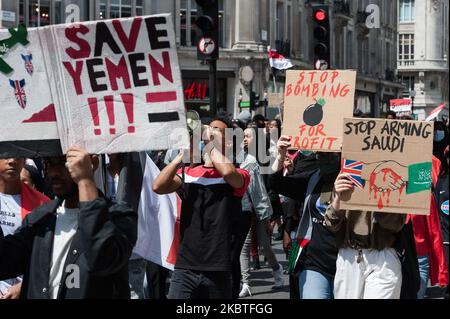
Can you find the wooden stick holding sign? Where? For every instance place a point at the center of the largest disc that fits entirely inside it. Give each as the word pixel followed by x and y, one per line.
pixel 389 162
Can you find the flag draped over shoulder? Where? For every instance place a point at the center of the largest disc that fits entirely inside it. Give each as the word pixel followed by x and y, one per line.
pixel 158 215
pixel 278 61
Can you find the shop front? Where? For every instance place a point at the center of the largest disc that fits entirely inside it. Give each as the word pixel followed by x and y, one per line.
pixel 196 92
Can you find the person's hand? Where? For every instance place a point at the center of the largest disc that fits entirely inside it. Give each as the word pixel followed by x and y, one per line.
pixel 287 242
pixel 79 165
pixel 283 144
pixel 13 292
pixel 343 188
pixel 289 164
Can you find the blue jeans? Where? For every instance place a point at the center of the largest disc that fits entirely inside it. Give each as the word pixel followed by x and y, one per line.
pixel 424 268
pixel 314 285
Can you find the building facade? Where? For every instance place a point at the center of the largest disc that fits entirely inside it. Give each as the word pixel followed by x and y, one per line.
pixel 248 27
pixel 423 53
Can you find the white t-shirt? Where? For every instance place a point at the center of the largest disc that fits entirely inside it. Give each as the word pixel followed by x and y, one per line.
pixel 10 213
pixel 65 230
pixel 10 220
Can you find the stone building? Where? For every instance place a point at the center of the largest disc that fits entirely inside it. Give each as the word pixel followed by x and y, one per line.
pixel 423 53
pixel 247 28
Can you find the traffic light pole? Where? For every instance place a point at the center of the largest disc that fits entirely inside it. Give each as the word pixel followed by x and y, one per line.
pixel 213 85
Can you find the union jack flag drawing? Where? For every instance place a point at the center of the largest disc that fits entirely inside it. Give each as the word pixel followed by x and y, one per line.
pixel 19 92
pixel 354 170
pixel 28 63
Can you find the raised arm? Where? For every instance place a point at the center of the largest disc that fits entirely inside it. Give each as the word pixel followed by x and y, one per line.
pixel 167 181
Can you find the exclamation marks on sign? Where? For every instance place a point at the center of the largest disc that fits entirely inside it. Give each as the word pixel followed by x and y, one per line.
pixel 128 101
pixel 109 101
pixel 93 106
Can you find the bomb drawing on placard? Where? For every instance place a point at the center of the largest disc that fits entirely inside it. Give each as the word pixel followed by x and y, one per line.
pixel 313 114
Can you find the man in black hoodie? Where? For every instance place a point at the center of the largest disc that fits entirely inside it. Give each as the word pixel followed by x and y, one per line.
pixel 76 246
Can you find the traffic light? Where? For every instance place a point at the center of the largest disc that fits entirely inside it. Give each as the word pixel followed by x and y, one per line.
pixel 321 36
pixel 254 100
pixel 208 29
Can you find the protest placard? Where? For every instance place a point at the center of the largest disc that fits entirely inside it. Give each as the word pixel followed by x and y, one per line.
pixel 28 120
pixel 316 102
pixel 105 86
pixel 119 83
pixel 401 106
pixel 389 162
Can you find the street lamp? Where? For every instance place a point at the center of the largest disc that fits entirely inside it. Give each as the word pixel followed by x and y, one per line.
pixel 412 95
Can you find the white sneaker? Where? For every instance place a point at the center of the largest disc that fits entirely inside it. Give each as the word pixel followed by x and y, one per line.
pixel 245 291
pixel 278 276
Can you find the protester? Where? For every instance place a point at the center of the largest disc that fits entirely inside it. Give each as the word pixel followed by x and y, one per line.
pixel 76 246
pixel 256 200
pixel 112 176
pixel 317 253
pixel 440 140
pixel 31 176
pixel 275 199
pixel 211 194
pixel 391 115
pixel 17 200
pixel 429 243
pixel 367 266
pixel 441 194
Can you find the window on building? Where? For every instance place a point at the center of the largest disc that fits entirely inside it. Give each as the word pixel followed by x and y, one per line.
pixel 407 12
pixel 406 47
pixel 388 56
pixel 188 29
pixel 280 21
pixel 139 7
pixel 408 82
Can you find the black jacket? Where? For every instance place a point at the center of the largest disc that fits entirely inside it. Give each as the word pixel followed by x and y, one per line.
pixel 100 249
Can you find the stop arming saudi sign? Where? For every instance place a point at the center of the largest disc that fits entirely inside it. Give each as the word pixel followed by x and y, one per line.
pixel 389 162
pixel 120 85
pixel 114 86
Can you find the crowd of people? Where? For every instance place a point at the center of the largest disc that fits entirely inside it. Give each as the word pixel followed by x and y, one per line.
pixel 68 224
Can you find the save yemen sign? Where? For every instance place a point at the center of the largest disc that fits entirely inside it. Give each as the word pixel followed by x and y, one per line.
pixel 113 86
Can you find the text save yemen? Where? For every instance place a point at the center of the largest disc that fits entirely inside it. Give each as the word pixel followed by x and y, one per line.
pixel 82 53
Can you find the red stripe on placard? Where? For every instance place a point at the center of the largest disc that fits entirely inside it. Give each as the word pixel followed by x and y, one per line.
pixel 161 97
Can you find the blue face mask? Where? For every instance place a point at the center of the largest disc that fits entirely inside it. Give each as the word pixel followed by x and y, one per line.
pixel 439 136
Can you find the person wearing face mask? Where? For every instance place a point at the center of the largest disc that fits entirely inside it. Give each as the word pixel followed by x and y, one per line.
pixel 316 257
pixel 256 204
pixel 440 141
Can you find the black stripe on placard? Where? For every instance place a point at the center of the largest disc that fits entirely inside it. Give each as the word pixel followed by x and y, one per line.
pixel 30 149
pixel 163 117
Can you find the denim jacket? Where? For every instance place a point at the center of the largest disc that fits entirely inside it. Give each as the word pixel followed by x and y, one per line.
pixel 255 198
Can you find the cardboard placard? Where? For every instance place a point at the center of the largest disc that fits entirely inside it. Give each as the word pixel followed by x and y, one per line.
pixel 275 100
pixel 401 105
pixel 316 102
pixel 28 112
pixel 389 162
pixel 106 86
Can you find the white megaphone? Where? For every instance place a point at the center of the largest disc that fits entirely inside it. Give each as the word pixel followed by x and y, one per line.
pixel 192 120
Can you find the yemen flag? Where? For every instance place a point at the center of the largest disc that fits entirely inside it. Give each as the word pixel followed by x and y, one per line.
pixel 158 215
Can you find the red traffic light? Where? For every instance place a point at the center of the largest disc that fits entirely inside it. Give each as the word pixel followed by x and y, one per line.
pixel 320 15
